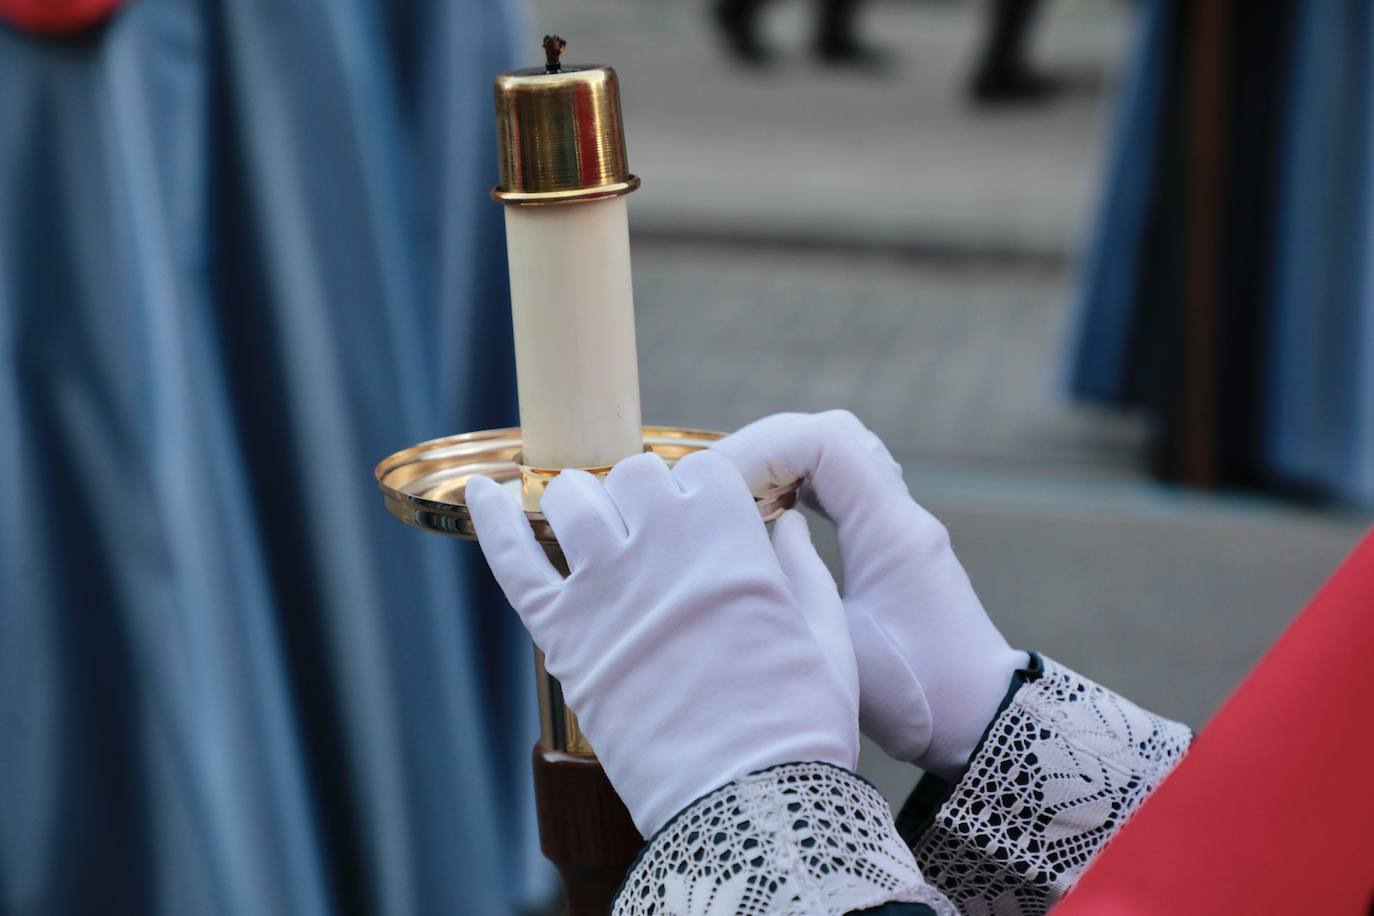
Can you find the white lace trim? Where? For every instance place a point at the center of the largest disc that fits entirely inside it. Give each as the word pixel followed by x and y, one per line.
pixel 1061 769
pixel 803 838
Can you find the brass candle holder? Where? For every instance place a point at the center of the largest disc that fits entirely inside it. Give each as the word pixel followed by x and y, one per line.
pixel 424 486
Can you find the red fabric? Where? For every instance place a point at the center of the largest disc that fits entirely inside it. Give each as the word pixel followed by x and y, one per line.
pixel 56 17
pixel 1272 811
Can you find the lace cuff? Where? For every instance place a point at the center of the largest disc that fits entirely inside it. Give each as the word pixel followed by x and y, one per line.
pixel 803 838
pixel 1061 767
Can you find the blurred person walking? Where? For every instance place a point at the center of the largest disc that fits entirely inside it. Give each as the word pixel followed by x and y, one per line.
pixel 835 41
pixel 1002 74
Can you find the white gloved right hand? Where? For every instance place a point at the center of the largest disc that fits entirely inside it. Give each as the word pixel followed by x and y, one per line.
pixel 692 649
pixel 933 669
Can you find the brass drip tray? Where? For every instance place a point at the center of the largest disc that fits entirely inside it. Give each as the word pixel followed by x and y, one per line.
pixel 424 485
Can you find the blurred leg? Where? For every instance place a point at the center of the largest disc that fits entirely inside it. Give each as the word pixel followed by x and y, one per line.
pixel 835 27
pixel 1003 72
pixel 1008 28
pixel 738 21
pixel 836 40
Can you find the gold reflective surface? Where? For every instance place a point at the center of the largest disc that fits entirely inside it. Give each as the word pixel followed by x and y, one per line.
pixel 534 481
pixel 424 485
pixel 558 726
pixel 560 136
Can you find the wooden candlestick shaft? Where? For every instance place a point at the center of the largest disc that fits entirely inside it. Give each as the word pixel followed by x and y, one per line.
pixel 584 829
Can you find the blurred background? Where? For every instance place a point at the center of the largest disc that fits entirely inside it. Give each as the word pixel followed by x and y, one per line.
pixel 1098 272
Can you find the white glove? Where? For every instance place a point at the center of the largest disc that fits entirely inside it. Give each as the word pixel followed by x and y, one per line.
pixel 932 667
pixel 692 650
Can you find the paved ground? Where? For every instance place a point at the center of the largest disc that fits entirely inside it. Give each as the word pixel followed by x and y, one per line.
pixel 807 240
pixel 949 361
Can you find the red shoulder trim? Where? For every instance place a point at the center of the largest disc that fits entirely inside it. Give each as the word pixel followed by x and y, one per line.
pixel 56 17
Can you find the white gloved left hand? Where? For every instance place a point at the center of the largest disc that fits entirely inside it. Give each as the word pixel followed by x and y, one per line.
pixel 933 668
pixel 692 650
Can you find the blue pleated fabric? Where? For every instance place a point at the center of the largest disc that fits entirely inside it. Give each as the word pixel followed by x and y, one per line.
pixel 246 251
pixel 1114 261
pixel 1313 396
pixel 1321 351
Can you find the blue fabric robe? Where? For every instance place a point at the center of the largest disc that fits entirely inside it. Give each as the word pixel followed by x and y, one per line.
pixel 246 251
pixel 1298 411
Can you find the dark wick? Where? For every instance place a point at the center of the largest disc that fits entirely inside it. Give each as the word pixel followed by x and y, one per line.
pixel 553 47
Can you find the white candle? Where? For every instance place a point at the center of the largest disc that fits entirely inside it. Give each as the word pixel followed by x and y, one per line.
pixel 564 177
pixel 576 366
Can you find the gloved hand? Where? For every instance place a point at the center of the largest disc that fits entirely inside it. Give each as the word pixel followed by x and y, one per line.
pixel 692 650
pixel 932 667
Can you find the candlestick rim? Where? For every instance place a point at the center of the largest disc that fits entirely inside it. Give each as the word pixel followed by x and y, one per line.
pixel 424 485
pixel 567 196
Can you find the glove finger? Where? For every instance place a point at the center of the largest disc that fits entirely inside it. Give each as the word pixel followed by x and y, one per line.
pixel 893 708
pixel 516 559
pixel 871 441
pixel 707 472
pixel 586 522
pixel 641 487
pixel 714 482
pixel 847 468
pixel 749 449
pixel 814 591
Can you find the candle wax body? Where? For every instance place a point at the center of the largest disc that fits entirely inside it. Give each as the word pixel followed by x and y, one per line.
pixel 577 372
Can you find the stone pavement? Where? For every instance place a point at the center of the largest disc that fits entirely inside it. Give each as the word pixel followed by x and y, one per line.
pixel 807 240
pixel 949 361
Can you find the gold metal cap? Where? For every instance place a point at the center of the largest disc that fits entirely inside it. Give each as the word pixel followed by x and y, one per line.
pixel 560 133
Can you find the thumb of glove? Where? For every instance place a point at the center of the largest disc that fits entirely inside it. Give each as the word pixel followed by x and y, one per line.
pixel 517 560
pixel 815 593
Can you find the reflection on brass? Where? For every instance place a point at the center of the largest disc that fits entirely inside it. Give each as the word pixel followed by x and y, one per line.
pixel 576 742
pixel 558 728
pixel 534 481
pixel 544 685
pixel 560 135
